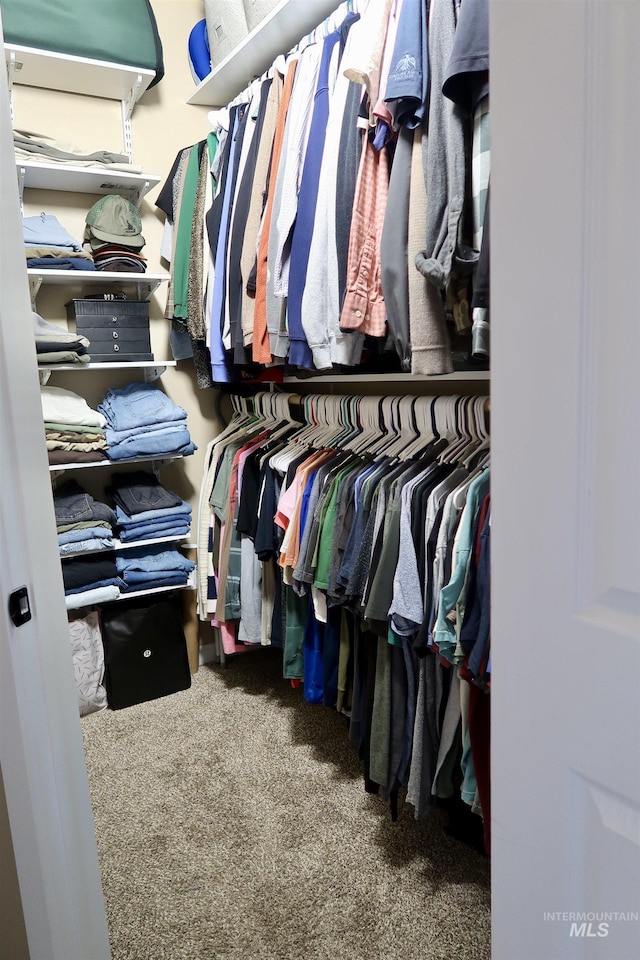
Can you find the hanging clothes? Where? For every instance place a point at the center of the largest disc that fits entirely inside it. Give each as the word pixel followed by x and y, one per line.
pixel 367 528
pixel 343 206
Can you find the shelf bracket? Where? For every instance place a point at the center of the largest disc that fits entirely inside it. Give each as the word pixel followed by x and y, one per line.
pixel 34 287
pixel 153 373
pixel 156 466
pixel 127 110
pixel 11 70
pixel 145 289
pixel 22 173
pixel 142 190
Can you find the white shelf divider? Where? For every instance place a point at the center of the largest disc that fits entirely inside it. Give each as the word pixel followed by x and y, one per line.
pixel 161 365
pixel 120 547
pixel 143 283
pixel 355 378
pixel 74 179
pixel 62 71
pixel 189 585
pixel 115 464
pixel 280 30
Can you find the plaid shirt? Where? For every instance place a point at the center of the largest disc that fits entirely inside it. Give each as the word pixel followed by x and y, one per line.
pixel 364 307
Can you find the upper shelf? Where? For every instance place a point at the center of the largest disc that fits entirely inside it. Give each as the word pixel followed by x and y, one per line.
pixel 71 179
pixel 277 33
pixel 62 71
pixel 329 379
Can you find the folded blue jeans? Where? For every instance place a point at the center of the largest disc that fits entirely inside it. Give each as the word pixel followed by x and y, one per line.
pixel 155 444
pixel 172 580
pixel 90 544
pixel 179 512
pixel 117 436
pixel 141 577
pixel 153 558
pixel 75 536
pixel 137 405
pixel 153 533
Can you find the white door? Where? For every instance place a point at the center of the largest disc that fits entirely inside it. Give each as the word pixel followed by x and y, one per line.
pixel 565 204
pixel 41 754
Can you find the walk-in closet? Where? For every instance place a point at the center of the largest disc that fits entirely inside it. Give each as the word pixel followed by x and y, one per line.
pixel 319 556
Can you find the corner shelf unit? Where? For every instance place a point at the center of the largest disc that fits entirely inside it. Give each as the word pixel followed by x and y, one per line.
pixel 280 30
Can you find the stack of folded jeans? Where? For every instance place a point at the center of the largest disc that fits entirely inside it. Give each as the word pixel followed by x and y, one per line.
pixel 89 574
pixel 54 344
pixel 143 422
pixel 75 433
pixel 145 510
pixel 147 567
pixel 83 524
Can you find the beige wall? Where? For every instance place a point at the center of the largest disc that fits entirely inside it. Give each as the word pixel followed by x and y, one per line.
pixel 162 124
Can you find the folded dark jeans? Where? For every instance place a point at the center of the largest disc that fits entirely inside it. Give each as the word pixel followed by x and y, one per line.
pixel 73 504
pixel 139 491
pixel 79 573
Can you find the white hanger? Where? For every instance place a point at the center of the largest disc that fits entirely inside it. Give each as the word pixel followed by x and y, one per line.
pixel 406 431
pixel 372 431
pixel 387 431
pixel 423 427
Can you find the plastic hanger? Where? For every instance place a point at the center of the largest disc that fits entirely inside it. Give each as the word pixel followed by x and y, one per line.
pixel 387 426
pixel 406 430
pixel 373 432
pixel 366 421
pixel 462 437
pixel 353 421
pixel 423 428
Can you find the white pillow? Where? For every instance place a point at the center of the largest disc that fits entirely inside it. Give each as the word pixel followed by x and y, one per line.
pixel 88 663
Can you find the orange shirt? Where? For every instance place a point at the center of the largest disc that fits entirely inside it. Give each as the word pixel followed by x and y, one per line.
pixel 261 348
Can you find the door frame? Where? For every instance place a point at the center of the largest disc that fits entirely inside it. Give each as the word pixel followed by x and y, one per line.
pixel 41 750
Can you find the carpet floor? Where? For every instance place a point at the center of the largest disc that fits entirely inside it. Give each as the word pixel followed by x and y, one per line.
pixel 232 824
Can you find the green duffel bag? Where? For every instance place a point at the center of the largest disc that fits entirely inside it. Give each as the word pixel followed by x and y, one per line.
pixel 119 31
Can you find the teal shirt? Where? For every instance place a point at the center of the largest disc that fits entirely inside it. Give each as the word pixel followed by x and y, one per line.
pixel 444 633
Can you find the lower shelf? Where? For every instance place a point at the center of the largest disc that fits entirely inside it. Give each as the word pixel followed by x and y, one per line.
pixel 158 458
pixel 189 585
pixel 119 546
pixel 463 376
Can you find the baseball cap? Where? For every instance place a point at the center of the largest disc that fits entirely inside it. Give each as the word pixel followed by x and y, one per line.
pixel 115 220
